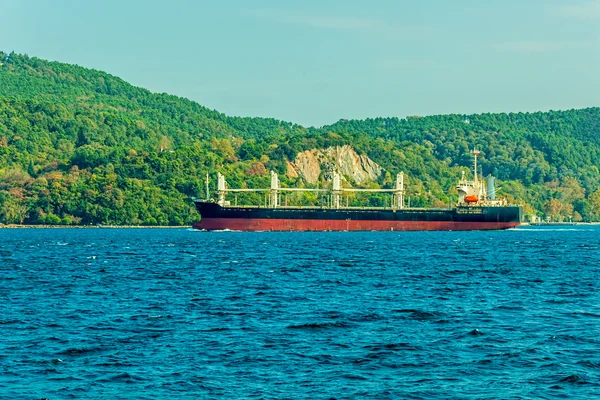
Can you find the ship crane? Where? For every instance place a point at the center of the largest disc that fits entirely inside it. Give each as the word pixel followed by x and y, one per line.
pixel 335 192
pixel 274 190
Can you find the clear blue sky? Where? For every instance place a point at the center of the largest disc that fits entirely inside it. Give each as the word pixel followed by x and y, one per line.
pixel 315 61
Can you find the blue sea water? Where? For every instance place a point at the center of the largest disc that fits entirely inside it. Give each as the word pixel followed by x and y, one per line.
pixel 177 313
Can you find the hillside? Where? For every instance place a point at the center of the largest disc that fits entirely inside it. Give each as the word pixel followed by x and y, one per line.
pixel 80 146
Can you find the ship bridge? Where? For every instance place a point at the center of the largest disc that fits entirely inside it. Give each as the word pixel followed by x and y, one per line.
pixel 477 191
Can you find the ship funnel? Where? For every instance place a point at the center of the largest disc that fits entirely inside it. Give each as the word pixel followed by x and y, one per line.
pixel 491 187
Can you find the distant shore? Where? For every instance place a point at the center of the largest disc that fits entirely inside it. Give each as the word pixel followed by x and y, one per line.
pixel 16 226
pixel 12 226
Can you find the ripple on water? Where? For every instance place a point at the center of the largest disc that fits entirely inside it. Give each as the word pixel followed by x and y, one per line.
pixel 177 313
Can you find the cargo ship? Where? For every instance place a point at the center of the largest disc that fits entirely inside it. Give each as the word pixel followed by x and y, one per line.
pixel 477 209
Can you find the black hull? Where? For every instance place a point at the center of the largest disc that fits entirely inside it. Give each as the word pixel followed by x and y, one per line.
pixel 214 216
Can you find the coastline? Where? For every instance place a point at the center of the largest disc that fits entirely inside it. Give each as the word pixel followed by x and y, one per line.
pixel 15 226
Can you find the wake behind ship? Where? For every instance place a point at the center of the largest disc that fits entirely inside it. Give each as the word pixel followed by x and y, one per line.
pixel 477 209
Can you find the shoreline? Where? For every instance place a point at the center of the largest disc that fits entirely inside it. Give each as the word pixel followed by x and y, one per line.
pixel 15 226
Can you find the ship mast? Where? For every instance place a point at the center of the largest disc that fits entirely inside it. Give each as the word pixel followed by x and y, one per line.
pixel 399 193
pixel 274 192
pixel 478 185
pixel 221 189
pixel 336 190
pixel 207 192
pixel 475 153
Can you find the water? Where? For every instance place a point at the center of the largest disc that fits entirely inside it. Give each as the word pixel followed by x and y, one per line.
pixel 176 313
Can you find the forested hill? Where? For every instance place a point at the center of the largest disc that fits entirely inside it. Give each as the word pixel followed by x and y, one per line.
pixel 80 146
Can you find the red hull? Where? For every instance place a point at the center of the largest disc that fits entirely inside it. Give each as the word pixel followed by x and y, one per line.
pixel 245 224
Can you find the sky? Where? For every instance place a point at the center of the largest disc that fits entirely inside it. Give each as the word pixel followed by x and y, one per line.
pixel 313 62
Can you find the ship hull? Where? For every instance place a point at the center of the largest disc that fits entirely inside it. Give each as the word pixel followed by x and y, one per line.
pixel 215 217
pixel 252 225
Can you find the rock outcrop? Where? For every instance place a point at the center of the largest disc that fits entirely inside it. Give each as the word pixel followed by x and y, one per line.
pixel 311 165
pixel 308 166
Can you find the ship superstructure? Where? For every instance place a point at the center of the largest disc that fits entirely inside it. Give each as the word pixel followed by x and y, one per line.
pixel 478 191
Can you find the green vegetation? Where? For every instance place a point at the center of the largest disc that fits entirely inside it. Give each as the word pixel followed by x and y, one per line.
pixel 79 146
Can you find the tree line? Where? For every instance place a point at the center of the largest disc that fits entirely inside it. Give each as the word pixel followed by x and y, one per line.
pixel 80 146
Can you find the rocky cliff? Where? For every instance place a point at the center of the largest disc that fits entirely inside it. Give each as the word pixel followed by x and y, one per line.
pixel 313 164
